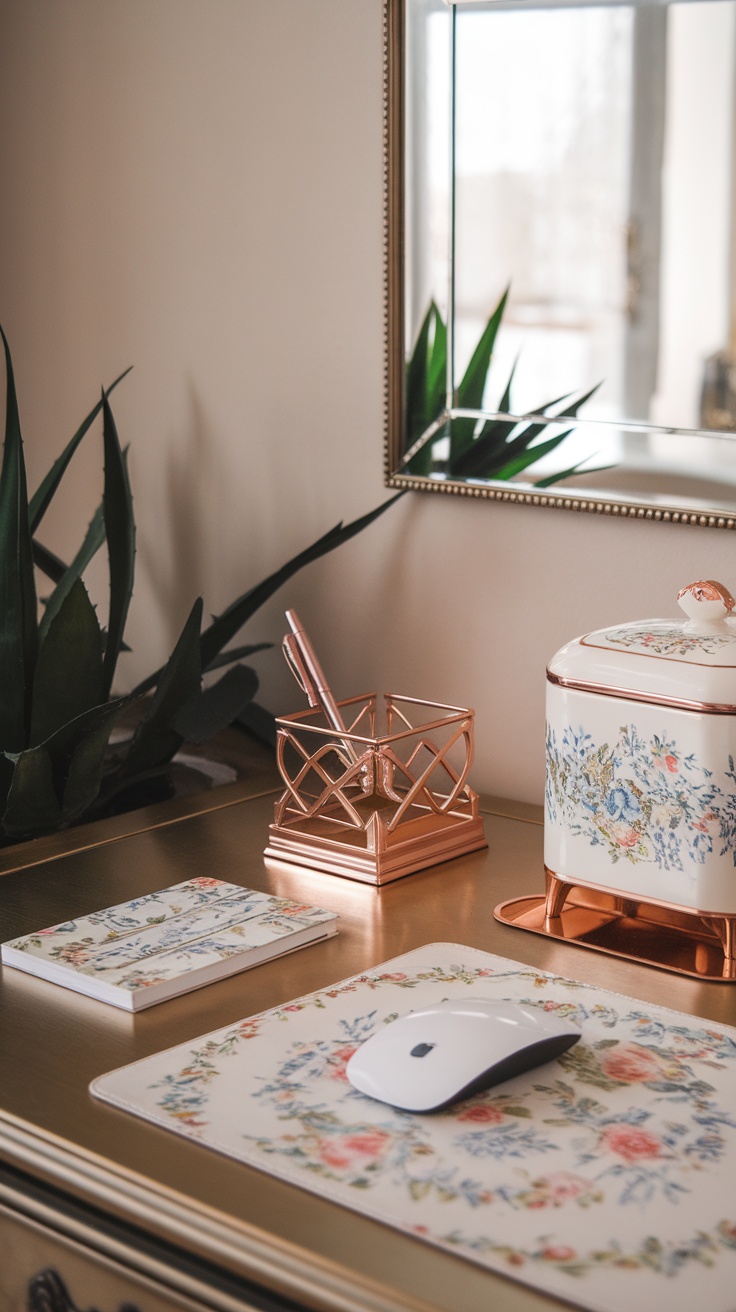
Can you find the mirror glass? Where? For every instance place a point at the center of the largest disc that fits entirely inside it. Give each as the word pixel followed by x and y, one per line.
pixel 562 252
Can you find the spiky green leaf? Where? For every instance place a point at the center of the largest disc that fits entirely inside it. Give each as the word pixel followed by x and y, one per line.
pixel 579 468
pixel 425 374
pixel 504 404
pixel 43 495
pixel 32 806
pixel 528 433
pixel 93 540
pixel 18 621
pixel 223 629
pixel 470 392
pixel 237 654
pixel 437 366
pixel 86 769
pixel 531 456
pixel 120 533
pixel 62 745
pixel 426 386
pixel 416 380
pixel 572 410
pixel 155 739
pixel 473 383
pixel 48 562
pixel 68 678
pixel 495 452
pixel 473 459
pixel 7 766
pixel 495 448
pixel 516 450
pixel 216 707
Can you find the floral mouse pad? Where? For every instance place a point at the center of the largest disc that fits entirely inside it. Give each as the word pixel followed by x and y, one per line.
pixel 606 1177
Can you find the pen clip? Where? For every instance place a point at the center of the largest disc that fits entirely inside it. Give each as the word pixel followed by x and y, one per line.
pixel 294 660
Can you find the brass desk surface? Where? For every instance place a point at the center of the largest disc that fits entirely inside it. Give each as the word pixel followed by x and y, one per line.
pixel 242 1222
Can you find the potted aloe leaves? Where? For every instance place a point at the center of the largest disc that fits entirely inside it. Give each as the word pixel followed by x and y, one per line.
pixel 58 709
pixel 499 449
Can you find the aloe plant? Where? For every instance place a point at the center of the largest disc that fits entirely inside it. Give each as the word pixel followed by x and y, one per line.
pixel 57 665
pixel 498 449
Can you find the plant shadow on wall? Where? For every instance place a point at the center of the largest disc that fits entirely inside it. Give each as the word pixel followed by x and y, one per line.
pixel 470 447
pixel 57 665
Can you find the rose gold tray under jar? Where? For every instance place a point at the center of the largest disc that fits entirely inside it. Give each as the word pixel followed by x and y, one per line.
pixel 387 797
pixel 640 929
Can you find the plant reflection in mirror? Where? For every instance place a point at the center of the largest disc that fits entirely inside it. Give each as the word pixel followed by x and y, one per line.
pixel 498 449
pixel 57 665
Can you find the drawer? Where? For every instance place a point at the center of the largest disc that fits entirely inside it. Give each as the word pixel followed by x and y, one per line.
pixel 60 1254
pixel 42 1271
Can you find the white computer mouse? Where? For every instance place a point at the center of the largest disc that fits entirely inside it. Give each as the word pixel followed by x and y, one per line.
pixel 428 1059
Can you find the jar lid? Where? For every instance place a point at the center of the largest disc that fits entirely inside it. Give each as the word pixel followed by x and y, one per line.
pixel 690 663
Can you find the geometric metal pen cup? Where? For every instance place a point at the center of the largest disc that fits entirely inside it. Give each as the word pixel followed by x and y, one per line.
pixel 383 798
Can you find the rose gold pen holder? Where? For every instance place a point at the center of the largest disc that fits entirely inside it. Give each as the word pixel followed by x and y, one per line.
pixel 385 798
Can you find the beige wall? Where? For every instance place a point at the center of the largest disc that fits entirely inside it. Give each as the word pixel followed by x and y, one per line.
pixel 195 187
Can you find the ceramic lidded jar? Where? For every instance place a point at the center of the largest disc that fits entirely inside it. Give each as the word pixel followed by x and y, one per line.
pixel 641 757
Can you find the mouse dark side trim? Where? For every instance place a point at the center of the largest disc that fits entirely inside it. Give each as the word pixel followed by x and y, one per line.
pixel 535 1054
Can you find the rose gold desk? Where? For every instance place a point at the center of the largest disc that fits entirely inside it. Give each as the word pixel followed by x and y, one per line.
pixel 128 1215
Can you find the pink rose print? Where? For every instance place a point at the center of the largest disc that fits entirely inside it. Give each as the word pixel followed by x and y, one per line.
pixel 631 1143
pixel 201 881
pixel 75 954
pixel 248 1029
pixel 562 1185
pixel 397 975
pixel 555 1190
pixel 482 1115
pixel 624 836
pixel 558 1253
pixel 353 1150
pixel 337 1066
pixel 631 1064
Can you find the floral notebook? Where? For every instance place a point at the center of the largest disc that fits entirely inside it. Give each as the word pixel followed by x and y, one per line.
pixel 605 1178
pixel 169 942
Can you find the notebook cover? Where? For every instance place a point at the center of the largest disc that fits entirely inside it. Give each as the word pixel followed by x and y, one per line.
pixel 155 947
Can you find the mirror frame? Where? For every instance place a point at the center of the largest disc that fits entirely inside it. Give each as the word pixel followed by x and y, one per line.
pixel 394 143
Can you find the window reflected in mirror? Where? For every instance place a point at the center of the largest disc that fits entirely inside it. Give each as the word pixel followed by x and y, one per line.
pixel 569 249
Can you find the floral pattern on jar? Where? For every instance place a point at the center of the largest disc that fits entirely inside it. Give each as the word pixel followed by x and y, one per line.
pixel 642 798
pixel 669 640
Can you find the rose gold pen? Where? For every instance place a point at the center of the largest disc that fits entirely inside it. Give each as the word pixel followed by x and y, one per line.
pixel 308 672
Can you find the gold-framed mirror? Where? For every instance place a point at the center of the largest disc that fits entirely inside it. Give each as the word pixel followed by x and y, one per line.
pixel 561 254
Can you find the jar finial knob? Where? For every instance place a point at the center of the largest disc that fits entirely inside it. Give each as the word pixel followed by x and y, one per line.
pixel 706 602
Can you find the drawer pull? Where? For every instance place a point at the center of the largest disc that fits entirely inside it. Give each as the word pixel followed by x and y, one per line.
pixel 48 1293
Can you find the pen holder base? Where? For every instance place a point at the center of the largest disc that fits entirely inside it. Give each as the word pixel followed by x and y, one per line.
pixel 375 804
